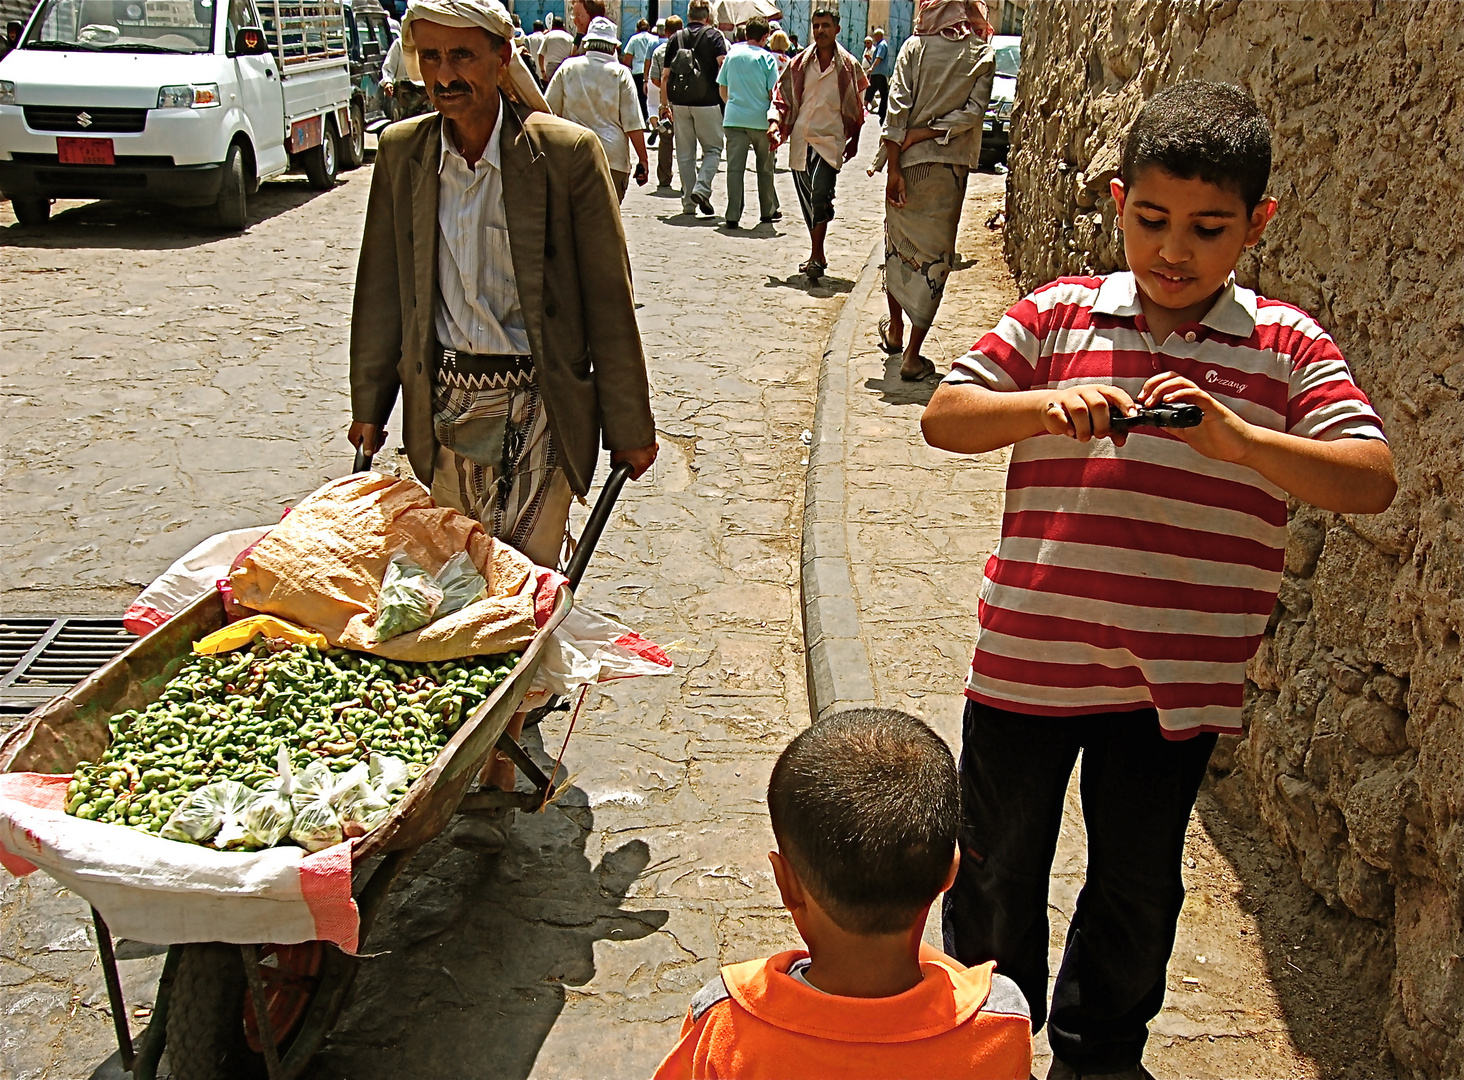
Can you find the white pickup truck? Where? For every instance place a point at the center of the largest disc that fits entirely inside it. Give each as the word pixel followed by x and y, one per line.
pixel 190 102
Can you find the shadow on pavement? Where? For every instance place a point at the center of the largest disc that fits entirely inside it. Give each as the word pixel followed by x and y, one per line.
pixel 1332 985
pixel 469 962
pixel 824 287
pixel 893 390
pixel 151 226
pixel 690 221
pixel 763 230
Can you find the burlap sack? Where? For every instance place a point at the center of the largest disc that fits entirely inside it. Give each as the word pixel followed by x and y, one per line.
pixel 322 565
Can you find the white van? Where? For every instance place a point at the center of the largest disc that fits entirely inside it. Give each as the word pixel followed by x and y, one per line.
pixel 191 102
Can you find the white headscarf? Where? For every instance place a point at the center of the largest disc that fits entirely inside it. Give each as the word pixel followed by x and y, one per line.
pixel 490 15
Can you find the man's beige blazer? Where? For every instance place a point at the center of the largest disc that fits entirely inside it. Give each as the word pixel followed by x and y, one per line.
pixel 573 276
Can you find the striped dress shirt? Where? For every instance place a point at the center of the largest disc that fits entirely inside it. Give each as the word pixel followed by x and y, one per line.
pixel 1143 575
pixel 477 294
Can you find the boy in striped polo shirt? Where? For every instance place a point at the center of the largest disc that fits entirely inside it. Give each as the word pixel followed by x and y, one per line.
pixel 1136 571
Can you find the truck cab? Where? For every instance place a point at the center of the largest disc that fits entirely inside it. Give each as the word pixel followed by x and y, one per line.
pixel 189 102
pixel 369 35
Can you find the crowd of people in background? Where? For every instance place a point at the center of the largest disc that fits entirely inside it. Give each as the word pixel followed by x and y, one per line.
pixel 696 92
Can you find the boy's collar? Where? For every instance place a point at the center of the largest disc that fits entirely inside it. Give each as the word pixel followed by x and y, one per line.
pixel 1233 312
pixel 947 997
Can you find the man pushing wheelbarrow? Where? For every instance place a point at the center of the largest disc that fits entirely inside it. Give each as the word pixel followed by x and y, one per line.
pixel 494 294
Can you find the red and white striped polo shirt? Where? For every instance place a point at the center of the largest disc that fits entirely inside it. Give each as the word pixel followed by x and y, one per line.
pixel 1144 575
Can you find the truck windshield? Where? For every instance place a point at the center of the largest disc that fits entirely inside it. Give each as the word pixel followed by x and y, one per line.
pixel 167 26
pixel 1008 60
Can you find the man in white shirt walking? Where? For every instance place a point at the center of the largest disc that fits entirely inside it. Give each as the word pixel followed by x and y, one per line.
pixel 820 112
pixel 595 91
pixel 554 50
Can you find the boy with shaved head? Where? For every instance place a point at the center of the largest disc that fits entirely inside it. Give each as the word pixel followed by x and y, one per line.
pixel 865 807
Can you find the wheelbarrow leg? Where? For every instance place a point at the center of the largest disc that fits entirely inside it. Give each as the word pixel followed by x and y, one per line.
pixel 261 1011
pixel 114 990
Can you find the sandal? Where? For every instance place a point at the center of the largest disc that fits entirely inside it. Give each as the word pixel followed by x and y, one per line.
pixel 927 369
pixel 884 337
pixel 813 270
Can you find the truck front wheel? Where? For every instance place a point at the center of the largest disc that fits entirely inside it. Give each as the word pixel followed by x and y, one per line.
pixel 32 211
pixel 231 211
pixel 320 161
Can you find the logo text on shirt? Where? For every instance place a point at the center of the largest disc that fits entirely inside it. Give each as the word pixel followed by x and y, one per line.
pixel 1214 379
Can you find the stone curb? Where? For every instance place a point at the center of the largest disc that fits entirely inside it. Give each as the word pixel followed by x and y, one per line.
pixel 839 673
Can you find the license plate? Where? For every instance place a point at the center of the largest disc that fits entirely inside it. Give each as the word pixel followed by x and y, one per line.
pixel 85 151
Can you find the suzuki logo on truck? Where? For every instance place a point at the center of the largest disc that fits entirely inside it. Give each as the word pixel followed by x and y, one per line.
pixel 83 120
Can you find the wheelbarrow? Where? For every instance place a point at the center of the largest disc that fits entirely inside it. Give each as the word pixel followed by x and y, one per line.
pixel 224 1009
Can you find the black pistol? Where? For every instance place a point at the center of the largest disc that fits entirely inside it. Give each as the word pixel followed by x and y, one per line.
pixel 1163 416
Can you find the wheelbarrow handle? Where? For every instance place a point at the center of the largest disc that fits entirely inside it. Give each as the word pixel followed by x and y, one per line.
pixel 595 526
pixel 363 461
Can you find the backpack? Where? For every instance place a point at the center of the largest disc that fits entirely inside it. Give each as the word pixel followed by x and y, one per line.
pixel 687 84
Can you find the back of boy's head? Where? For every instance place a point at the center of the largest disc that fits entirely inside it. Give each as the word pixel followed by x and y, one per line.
pixel 866 806
pixel 1207 130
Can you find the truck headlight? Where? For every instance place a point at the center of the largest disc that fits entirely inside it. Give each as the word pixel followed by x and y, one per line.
pixel 196 96
pixel 7 92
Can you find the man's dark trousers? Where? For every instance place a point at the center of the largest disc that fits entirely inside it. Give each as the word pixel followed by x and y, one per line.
pixel 880 84
pixel 1138 789
pixel 639 78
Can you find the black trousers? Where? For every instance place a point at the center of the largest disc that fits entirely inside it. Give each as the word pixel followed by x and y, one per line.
pixel 1138 790
pixel 880 84
pixel 639 78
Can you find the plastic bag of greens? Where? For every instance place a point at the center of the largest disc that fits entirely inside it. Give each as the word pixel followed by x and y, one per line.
pixel 409 597
pixel 363 812
pixel 386 773
pixel 317 802
pixel 311 783
pixel 461 584
pixel 316 826
pixel 214 813
pixel 268 819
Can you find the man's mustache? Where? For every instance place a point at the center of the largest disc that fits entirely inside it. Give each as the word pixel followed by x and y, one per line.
pixel 457 87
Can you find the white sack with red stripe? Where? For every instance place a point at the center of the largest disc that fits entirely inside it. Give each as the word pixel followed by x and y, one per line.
pixel 166 892
pixel 188 578
pixel 589 648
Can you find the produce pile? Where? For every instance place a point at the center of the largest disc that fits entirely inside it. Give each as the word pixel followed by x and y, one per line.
pixel 277 741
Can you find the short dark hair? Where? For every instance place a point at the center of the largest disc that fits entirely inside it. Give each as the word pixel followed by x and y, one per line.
pixel 824 13
pixel 641 25
pixel 538 24
pixel 1210 130
pixel 866 806
pixel 595 9
pixel 673 24
pixel 757 28
pixel 559 22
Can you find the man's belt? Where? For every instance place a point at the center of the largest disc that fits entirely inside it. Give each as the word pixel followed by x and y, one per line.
pixel 483 371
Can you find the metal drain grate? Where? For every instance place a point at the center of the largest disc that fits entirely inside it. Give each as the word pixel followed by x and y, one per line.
pixel 41 656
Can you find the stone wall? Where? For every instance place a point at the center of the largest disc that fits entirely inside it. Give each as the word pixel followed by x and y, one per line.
pixel 1354 752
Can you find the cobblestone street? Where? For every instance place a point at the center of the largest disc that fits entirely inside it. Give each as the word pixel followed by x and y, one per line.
pixel 162 384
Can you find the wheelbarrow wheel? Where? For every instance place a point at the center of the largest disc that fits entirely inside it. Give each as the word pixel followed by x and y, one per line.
pixel 212 1030
pixel 206 1039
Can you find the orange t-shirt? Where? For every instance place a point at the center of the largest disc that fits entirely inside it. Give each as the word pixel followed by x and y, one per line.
pixel 758 1021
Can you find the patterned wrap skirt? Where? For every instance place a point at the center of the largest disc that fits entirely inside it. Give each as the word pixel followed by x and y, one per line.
pixel 496 458
pixel 920 237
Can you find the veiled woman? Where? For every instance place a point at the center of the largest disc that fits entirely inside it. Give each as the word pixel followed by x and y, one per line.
pixel 931 142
